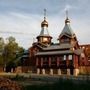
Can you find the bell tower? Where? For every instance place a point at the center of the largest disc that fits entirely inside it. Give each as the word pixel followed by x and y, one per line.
pixel 44 36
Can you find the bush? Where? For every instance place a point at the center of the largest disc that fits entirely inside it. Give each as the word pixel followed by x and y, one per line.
pixel 7 84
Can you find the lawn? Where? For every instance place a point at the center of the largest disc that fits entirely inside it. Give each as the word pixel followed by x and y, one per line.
pixel 49 83
pixel 61 85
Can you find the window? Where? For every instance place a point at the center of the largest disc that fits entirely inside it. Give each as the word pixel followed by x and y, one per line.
pixel 62 40
pixel 70 57
pixel 45 39
pixel 54 59
pixel 65 39
pixel 64 57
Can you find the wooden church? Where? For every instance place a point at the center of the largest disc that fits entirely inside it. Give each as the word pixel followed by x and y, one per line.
pixel 64 57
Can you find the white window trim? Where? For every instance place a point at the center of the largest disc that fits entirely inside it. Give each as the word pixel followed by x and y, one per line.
pixel 64 57
pixel 70 57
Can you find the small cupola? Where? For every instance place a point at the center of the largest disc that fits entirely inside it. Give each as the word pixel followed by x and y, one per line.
pixel 67 33
pixel 44 36
pixel 67 21
pixel 44 23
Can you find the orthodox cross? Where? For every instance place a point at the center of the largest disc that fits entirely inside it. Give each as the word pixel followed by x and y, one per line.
pixel 66 13
pixel 44 14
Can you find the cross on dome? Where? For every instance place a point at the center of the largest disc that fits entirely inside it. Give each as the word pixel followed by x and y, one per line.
pixel 44 23
pixel 67 21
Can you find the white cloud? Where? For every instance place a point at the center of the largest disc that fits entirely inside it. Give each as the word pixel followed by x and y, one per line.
pixel 25 27
pixel 81 29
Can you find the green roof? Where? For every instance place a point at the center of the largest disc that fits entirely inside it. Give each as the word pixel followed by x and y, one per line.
pixel 44 32
pixel 67 31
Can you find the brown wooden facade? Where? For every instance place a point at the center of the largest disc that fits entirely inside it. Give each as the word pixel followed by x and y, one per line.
pixel 64 57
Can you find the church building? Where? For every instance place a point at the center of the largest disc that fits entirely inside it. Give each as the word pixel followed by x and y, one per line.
pixel 65 57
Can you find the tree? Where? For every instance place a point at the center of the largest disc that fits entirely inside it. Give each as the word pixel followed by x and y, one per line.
pixel 11 51
pixel 1 50
pixel 11 48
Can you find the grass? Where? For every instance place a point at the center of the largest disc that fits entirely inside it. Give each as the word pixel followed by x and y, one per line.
pixel 61 85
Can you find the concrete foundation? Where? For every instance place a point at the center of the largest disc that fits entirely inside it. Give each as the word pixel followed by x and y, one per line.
pixel 51 71
pixel 59 71
pixel 43 71
pixel 68 71
pixel 38 71
pixel 76 72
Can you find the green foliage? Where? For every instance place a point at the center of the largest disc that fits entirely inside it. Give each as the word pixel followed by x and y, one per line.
pixel 1 60
pixel 9 51
pixel 11 48
pixel 1 50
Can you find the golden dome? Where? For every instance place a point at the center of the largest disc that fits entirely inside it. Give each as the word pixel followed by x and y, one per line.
pixel 44 23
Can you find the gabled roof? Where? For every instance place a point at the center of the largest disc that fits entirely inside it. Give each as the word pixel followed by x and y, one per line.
pixel 58 47
pixel 67 30
pixel 62 46
pixel 39 44
pixel 55 52
pixel 77 52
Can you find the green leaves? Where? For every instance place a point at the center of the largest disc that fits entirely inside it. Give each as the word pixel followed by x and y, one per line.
pixel 9 51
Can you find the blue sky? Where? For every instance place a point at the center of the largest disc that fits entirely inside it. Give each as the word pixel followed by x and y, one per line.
pixel 22 19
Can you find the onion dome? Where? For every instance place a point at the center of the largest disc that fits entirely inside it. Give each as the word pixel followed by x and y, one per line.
pixel 67 21
pixel 44 36
pixel 44 23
